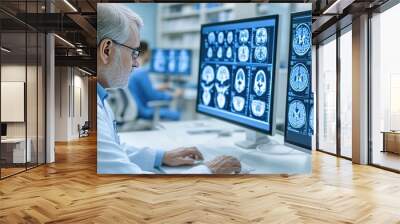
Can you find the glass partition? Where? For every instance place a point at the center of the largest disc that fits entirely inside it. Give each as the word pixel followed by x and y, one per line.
pixel 346 92
pixel 22 77
pixel 13 105
pixel 385 89
pixel 327 96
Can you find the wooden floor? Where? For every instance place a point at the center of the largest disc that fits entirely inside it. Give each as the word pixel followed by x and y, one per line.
pixel 10 171
pixel 70 191
pixel 387 159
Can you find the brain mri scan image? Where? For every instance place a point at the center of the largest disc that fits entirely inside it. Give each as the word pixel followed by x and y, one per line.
pixel 229 52
pixel 243 53
pixel 299 77
pixel 260 53
pixel 237 69
pixel 208 74
pixel 222 74
pixel 206 96
pixel 159 61
pixel 219 52
pixel 260 83
pixel 211 38
pixel 240 81
pixel 302 39
pixel 297 114
pixel 299 101
pixel 238 103
pixel 261 36
pixel 221 37
pixel 221 91
pixel 243 36
pixel 229 37
pixel 257 107
pixel 207 77
pixel 171 61
pixel 209 53
pixel 183 61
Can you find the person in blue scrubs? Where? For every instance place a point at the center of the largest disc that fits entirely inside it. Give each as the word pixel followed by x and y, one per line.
pixel 118 41
pixel 143 91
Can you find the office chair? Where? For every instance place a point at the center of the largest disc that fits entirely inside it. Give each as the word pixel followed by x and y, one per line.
pixel 125 111
pixel 84 129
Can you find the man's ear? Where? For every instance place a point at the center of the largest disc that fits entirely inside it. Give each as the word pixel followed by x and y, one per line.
pixel 105 48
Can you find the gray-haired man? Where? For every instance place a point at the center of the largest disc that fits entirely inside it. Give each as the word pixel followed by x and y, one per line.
pixel 117 53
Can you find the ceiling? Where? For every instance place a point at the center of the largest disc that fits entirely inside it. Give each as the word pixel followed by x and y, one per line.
pixel 76 23
pixel 331 15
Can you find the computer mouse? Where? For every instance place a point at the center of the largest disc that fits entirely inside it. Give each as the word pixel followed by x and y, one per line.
pixel 196 162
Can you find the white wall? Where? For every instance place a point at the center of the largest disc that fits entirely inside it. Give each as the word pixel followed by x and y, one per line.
pixel 81 94
pixel 16 73
pixel 69 85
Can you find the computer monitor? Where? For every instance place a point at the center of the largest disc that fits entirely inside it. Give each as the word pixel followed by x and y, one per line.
pixel 172 62
pixel 3 130
pixel 237 72
pixel 299 123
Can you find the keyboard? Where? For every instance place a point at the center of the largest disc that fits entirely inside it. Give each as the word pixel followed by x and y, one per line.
pixel 203 131
pixel 210 154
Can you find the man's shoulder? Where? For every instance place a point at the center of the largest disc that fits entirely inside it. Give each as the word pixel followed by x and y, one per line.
pixel 140 72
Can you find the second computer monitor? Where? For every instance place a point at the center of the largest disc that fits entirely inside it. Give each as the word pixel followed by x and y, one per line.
pixel 171 61
pixel 237 71
pixel 299 102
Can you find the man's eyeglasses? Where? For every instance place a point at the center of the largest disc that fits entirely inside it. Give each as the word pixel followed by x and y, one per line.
pixel 135 51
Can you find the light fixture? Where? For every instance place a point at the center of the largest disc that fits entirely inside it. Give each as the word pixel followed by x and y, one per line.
pixel 70 5
pixel 65 41
pixel 5 50
pixel 337 7
pixel 84 71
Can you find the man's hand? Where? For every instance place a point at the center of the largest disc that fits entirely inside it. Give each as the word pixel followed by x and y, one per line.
pixel 224 165
pixel 178 93
pixel 182 156
pixel 163 87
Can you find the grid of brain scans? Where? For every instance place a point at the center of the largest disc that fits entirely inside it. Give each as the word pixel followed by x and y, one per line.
pixel 236 70
pixel 171 61
pixel 299 106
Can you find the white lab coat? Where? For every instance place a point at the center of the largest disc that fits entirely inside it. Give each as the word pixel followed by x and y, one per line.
pixel 116 158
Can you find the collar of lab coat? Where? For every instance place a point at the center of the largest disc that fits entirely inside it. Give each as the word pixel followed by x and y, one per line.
pixel 101 92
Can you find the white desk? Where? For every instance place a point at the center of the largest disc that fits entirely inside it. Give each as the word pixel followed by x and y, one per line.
pixel 277 159
pixel 18 149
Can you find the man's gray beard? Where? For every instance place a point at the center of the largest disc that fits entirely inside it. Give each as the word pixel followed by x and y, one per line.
pixel 114 73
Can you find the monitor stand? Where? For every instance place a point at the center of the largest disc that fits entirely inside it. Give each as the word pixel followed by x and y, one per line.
pixel 254 139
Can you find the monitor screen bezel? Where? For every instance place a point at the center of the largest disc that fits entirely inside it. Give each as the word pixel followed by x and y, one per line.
pixel 292 15
pixel 172 74
pixel 272 109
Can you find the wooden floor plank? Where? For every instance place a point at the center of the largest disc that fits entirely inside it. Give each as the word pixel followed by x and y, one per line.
pixel 70 191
